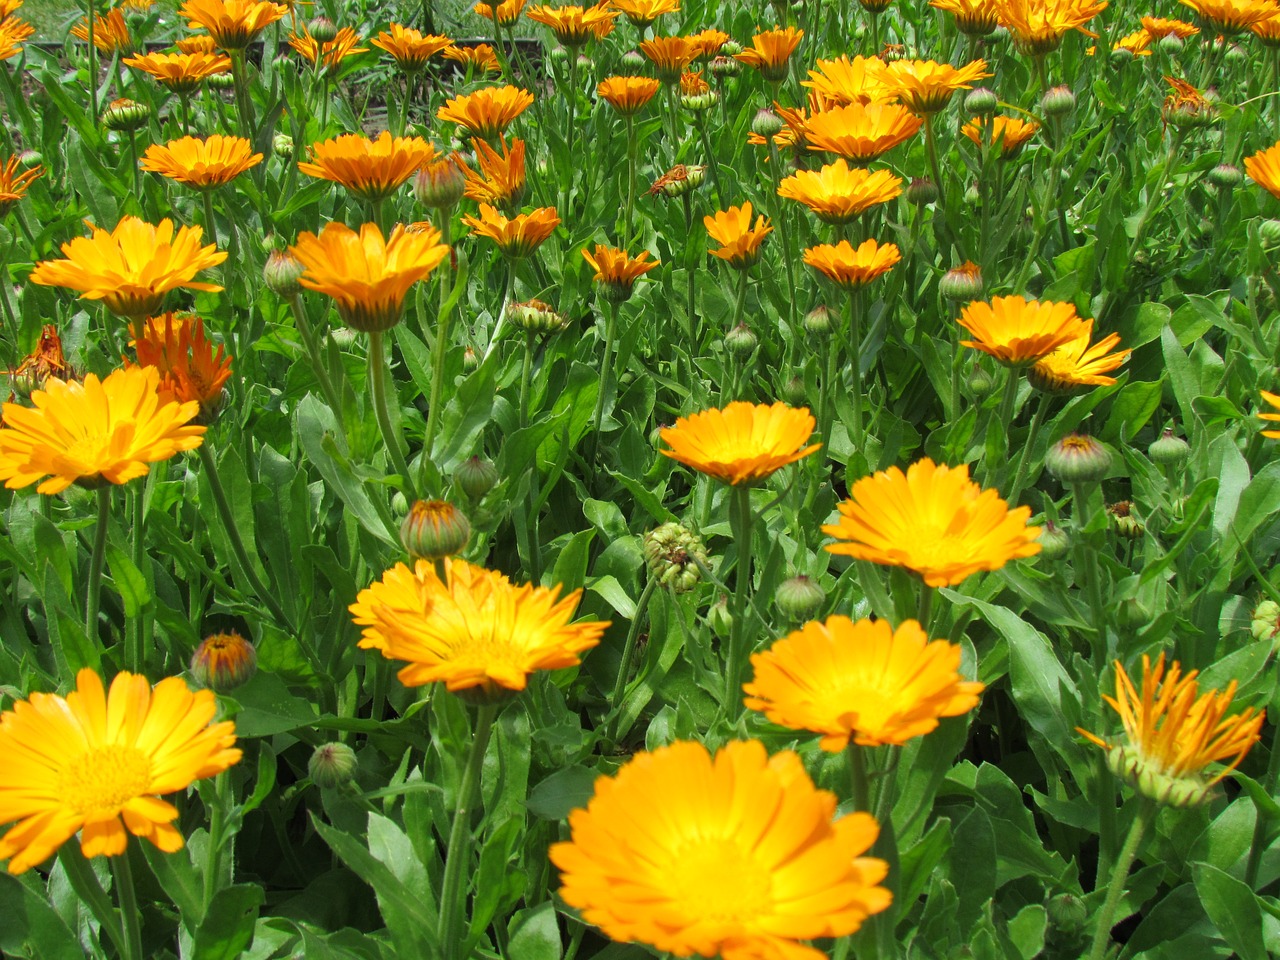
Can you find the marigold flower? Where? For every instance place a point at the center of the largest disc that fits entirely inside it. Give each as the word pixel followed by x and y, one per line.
pixel 475 631
pixel 202 164
pixel 200 43
pixel 131 268
pixel 371 169
pixel 480 57
pixel 1078 364
pixel 93 759
pixel 182 73
pixel 932 520
pixel 409 47
pixel 739 241
pixel 366 275
pixel 1009 134
pixel 861 132
pixel 771 51
pixel 1018 332
pixel 13 32
pixel 863 681
pixel 574 26
pixel 13 185
pixel 743 443
pixel 839 194
pixel 1264 169
pixel 707 42
pixel 518 237
pixel 501 179
pixel 1231 17
pixel 1135 43
pixel 616 270
pixel 9 7
pixel 1274 400
pixel 110 33
pixel 1174 732
pixel 643 13
pixel 670 56
pixel 330 53
pixel 925 86
pixel 735 856
pixel 1159 28
pixel 1185 106
pixel 628 95
pixel 97 431
pixel 488 111
pixel 1268 31
pixel 233 24
pixel 502 14
pixel 692 84
pixel 1038 26
pixel 844 81
pixel 189 368
pixel 974 18
pixel 850 267
pixel 45 361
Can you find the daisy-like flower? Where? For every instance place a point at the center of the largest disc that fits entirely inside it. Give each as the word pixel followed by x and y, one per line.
pixel 1268 31
pixel 200 43
pixel 1159 28
pixel 98 761
pixel 861 132
pixel 1274 400
pixel 932 520
pixel 480 57
pixel 1173 732
pixel 519 236
pixel 863 681
pixel 488 111
pixel 1136 43
pixel 13 185
pixel 477 631
pixel 9 7
pixel 367 275
pixel 844 81
pixel 739 241
pixel 131 268
pixel 1185 106
pixel 371 169
pixel 409 47
pixel 643 13
pixel 616 271
pixel 1078 364
pixel 925 86
pixel 1231 17
pixel 670 56
pixel 501 179
pixel 628 95
pixel 852 267
pixel 1009 134
pixel 974 18
pixel 501 14
pixel 839 194
pixel 708 42
pixel 1038 26
pixel 735 856
pixel 13 32
pixel 202 164
pixel 1018 332
pixel 189 368
pixel 771 52
pixel 743 443
pixel 574 26
pixel 330 53
pixel 182 73
pixel 98 431
pixel 110 33
pixel 1264 169
pixel 233 24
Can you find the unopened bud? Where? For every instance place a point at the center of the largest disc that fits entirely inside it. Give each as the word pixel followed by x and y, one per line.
pixel 332 765
pixel 281 273
pixel 322 29
pixel 125 115
pixel 766 124
pixel 962 283
pixel 440 185
pixel 720 619
pixel 470 360
pixel 723 67
pixel 799 598
pixel 1225 176
pixel 534 316
pixel 980 382
pixel 817 321
pixel 740 341
pixel 282 146
pixel 475 477
pixel 433 530
pixel 922 191
pixel 1078 459
pixel 1124 522
pixel 982 101
pixel 30 158
pixel 1264 623
pixel 1053 541
pixel 223 662
pixel 1269 234
pixel 1058 102
pixel 1171 44
pixel 1169 450
pixel 221 81
pixel 1067 913
pixel 633 62
pixel 794 392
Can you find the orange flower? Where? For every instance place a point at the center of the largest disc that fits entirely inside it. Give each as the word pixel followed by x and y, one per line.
pixel 843 81
pixel 670 56
pixel 1231 17
pixel 642 13
pixel 742 444
pixel 1010 134
pixel 519 236
pixel 692 84
pixel 1264 169
pixel 838 194
pixel 851 268
pixel 974 18
pixel 189 369
pixel 13 31
pixel 1078 364
pixel 233 24
pixel 110 33
pixel 371 169
pixel 182 73
pixel 45 361
pixel 202 164
pixel 574 26
pixel 1274 400
pixel 1038 26
pixel 13 185
pixel 926 86
pixel 616 270
pixel 1159 28
pixel 488 111
pixel 628 95
pixel 739 241
pixel 331 52
pixel 707 42
pixel 505 13
pixel 201 43
pixel 861 132
pixel 771 52
pixel 1018 332
pixel 480 57
pixel 501 179
pixel 409 47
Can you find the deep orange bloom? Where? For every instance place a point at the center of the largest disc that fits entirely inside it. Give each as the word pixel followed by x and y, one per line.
pixel 480 57
pixel 518 237
pixel 574 26
pixel 742 444
pixel 771 52
pixel 1010 134
pixel 837 193
pixel 925 86
pixel 176 345
pixel 202 164
pixel 617 270
pixel 503 14
pixel 488 111
pixel 850 267
pixel 708 42
pixel 233 24
pixel 1018 332
pixel 974 18
pixel 1038 26
pixel 330 53
pixel 670 56
pixel 371 169
pixel 13 31
pixel 739 241
pixel 13 185
pixel 1264 169
pixel 861 132
pixel 501 179
pixel 1159 28
pixel 181 73
pixel 843 81
pixel 643 13
pixel 628 95
pixel 409 47
pixel 110 33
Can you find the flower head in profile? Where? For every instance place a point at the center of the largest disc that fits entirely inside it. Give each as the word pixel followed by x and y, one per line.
pixel 1160 27
pixel 410 48
pixel 708 42
pixel 861 132
pixel 501 179
pixel 328 53
pixel 1078 364
pixel 616 271
pixel 863 681
pixel 670 56
pixel 1274 401
pixel 189 367
pixel 844 81
pixel 110 33
pixel 643 13
pixel 519 236
pixel 743 443
pixel 1185 106
pixel 627 95
pixel 45 361
pixel 1173 733
pixel 131 268
pixel 839 194
pixel 202 164
pixel 739 241
pixel 932 520
pixel 974 18
pixel 474 631
pixel 233 24
pixel 368 276
pixel 770 52
pixel 1268 31
pixel 480 57
pixel 98 431
pixel 14 31
pixel 735 856
pixel 200 43
pixel 573 26
pixel 1018 332
pixel 1008 134
pixel 1231 17
pixel 488 111
pixel 1038 26
pixel 182 73
pixel 97 761
pixel 13 185
pixel 925 86
pixel 1264 169
pixel 851 267
pixel 502 14
pixel 371 169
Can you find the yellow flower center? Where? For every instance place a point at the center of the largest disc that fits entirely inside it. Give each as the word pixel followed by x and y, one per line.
pixel 726 884
pixel 98 783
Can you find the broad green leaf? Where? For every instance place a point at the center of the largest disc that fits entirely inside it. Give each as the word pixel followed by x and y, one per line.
pixel 1233 908
pixel 29 927
pixel 227 927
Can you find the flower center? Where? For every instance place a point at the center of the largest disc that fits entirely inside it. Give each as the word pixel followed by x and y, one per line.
pixel 99 782
pixel 725 883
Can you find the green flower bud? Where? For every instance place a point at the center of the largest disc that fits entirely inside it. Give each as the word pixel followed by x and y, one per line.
pixel 1053 540
pixel 740 341
pixel 534 316
pixel 1225 176
pixel 1265 620
pixel 281 274
pixel 433 530
pixel 1067 913
pixel 795 393
pixel 282 146
pixel 223 662
pixel 1171 44
pixel 30 158
pixel 322 29
pixel 1058 102
pixel 766 124
pixel 1269 234
pixel 922 191
pixel 125 115
pixel 980 382
pixel 817 321
pixel 720 619
pixel 672 554
pixel 221 81
pixel 332 765
pixel 981 101
pixel 475 478
pixel 962 283
pixel 470 361
pixel 1078 459
pixel 633 62
pixel 724 67
pixel 1169 450
pixel 1125 523
pixel 799 598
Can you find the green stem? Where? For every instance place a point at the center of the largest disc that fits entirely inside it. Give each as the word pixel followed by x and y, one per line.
pixel 729 387
pixel 740 520
pixel 212 880
pixel 712 166
pixel 378 364
pixel 127 899
pixel 1115 890
pixel 13 357
pixel 1087 562
pixel 453 895
pixel 606 368
pixel 1259 845
pixel 134 653
pixel 860 777
pixel 1004 417
pixel 924 609
pixel 244 105
pixel 628 654
pixel 441 345
pixel 1106 819
pixel 94 591
pixel 87 888
pixel 855 358
pixel 308 335
pixel 531 537
pixel 137 172
pixel 1024 458
pixel 628 217
pixel 210 224
pixel 508 285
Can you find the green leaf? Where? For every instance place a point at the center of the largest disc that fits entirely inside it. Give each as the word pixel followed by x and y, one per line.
pixel 267 707
pixel 563 791
pixel 1233 908
pixel 535 934
pixel 29 927
pixel 973 866
pixel 227 927
pixel 129 581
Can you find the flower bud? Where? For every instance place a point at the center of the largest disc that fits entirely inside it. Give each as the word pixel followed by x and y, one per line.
pixel 1120 56
pixel 980 382
pixel 672 554
pixel 322 29
pixel 971 195
pixel 740 341
pixel 962 283
pixel 1225 176
pixel 1169 450
pixel 534 316
pixel 282 146
pixel 817 321
pixel 1067 913
pixel 633 62
pixel 799 598
pixel 1053 541
pixel 223 662
pixel 470 360
pixel 475 478
pixel 731 48
pixel 766 124
pixel 922 191
pixel 125 115
pixel 1269 235
pixel 28 159
pixel 1132 614
pixel 1078 458
pixel 1058 102
pixel 1264 622
pixel 982 101
pixel 720 619
pixel 281 273
pixel 332 765
pixel 723 67
pixel 440 185
pixel 794 392
pixel 1124 522
pixel 1171 44
pixel 698 102
pixel 433 530
pixel 559 54
pixel 1148 779
pixel 221 81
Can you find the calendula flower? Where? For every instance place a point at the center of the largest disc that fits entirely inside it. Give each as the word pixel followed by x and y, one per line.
pixel 97 762
pixel 189 367
pixel 488 111
pixel 863 681
pixel 839 194
pixel 743 443
pixel 643 13
pixel 519 236
pixel 679 180
pixel 616 271
pixel 13 185
pixel 481 57
pixel 707 42
pixel 371 169
pixel 502 14
pixel 852 267
pixel 574 26
pixel 1038 26
pixel 735 856
pixel 45 361
pixel 670 56
pixel 1264 169
pixel 932 520
pixel 692 84
pixel 861 132
pixel 1268 31
pixel 9 7
pixel 1185 106
pixel 1274 400
pixel 501 179
pixel 771 52
pixel 1159 28
pixel 627 95
pixel 233 24
pixel 202 164
pixel 974 18
pixel 1009 134
pixel 844 81
pixel 441 183
pixel 13 32
pixel 739 241
pixel 1135 43
pixel 182 73
pixel 475 631
pixel 1018 332
pixel 366 275
pixel 110 33
pixel 925 86
pixel 409 47
pixel 98 431
pixel 1078 364
pixel 1231 17
pixel 1174 733
pixel 131 268
pixel 200 43
pixel 329 53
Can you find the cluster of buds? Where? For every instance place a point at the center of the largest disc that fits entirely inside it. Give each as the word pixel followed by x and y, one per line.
pixel 673 554
pixel 1124 522
pixel 679 181
pixel 1264 623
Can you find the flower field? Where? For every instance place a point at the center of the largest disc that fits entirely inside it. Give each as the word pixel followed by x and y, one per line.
pixel 662 478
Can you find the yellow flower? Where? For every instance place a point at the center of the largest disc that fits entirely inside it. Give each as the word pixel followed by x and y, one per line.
pixel 13 31
pixel 503 14
pixel 850 267
pixel 13 185
pixel 202 164
pixel 642 13
pixel 1231 17
pixel 93 759
pixel 131 268
pixel 488 111
pixel 1159 28
pixel 861 132
pixel 518 237
pixel 739 241
pixel 574 26
pixel 627 95
pixel 409 47
pixel 838 194
pixel 1018 332
pixel 477 630
pixel 366 275
pixel 480 57
pixel 707 42
pixel 742 444
pixel 1010 134
pixel 233 24
pixel 925 86
pixel 181 73
pixel 844 81
pixel 864 681
pixel 1264 169
pixel 932 520
pixel 201 43
pixel 331 52
pixel 110 33
pixel 1078 364
pixel 371 169
pixel 974 18
pixel 1038 26
pixel 692 84
pixel 97 431
pixel 771 51
pixel 1268 30
pixel 1174 732
pixel 670 56
pixel 501 179
pixel 8 7
pixel 1136 43
pixel 189 368
pixel 616 270
pixel 1274 400
pixel 735 856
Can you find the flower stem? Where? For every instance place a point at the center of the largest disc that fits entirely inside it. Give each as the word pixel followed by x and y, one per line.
pixel 1115 890
pixel 87 888
pixel 213 862
pixel 606 368
pixel 1087 563
pixel 740 521
pixel 308 335
pixel 244 105
pixel 134 655
pixel 628 217
pixel 729 387
pixel 924 609
pixel 1004 417
pixel 529 526
pixel 712 166
pixel 210 225
pixel 127 899
pixel 860 777
pixel 628 654
pixel 855 358
pixel 453 895
pixel 441 345
pixel 378 391
pixel 1024 458
pixel 1259 844
pixel 94 590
